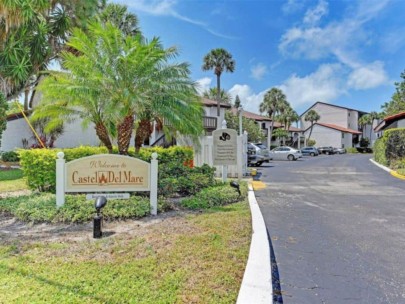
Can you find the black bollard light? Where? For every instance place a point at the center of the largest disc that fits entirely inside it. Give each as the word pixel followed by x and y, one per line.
pixel 236 186
pixel 99 204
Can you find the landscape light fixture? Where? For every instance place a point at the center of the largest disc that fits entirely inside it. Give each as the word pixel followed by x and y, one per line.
pixel 99 204
pixel 235 185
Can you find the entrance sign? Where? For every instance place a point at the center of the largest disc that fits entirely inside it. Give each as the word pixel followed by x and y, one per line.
pixel 224 147
pixel 106 172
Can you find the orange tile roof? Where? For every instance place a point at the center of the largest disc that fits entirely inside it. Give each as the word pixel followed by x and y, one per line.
pixel 213 103
pixel 251 115
pixel 387 120
pixel 339 128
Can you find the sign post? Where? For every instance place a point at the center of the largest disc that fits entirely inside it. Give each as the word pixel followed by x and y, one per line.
pixel 224 148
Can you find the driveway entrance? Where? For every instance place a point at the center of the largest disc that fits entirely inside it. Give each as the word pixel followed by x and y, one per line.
pixel 337 226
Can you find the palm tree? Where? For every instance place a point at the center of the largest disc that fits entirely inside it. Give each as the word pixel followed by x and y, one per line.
pixel 273 102
pixel 32 35
pixel 213 94
pixel 373 116
pixel 220 60
pixel 111 78
pixel 363 121
pixel 119 16
pixel 312 116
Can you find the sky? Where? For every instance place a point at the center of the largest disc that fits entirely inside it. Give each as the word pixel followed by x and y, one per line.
pixel 345 52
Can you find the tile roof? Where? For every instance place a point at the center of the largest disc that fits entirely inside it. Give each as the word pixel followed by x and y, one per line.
pixel 336 127
pixel 251 115
pixel 213 103
pixel 387 120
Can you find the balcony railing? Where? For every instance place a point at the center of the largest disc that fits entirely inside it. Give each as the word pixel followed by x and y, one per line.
pixel 209 123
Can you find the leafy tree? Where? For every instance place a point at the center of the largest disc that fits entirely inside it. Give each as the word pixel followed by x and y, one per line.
pixel 114 77
pixel 397 103
pixel 237 102
pixel 32 35
pixel 248 125
pixel 281 134
pixel 273 103
pixel 312 116
pixel 364 142
pixel 3 114
pixel 220 60
pixel 363 121
pixel 311 142
pixel 213 95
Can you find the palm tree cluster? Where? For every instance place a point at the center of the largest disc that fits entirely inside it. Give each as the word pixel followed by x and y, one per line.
pixel 212 94
pixel 119 81
pixel 368 119
pixel 276 106
pixel 32 33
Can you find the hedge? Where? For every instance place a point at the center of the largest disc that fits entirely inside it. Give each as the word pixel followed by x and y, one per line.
pixel 39 164
pixel 389 150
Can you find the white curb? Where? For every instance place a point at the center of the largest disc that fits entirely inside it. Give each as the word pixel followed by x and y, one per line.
pixel 379 165
pixel 257 282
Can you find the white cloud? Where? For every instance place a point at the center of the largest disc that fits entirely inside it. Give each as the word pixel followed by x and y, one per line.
pixel 312 16
pixel 249 100
pixel 203 85
pixel 292 6
pixel 323 85
pixel 368 76
pixel 340 39
pixel 167 8
pixel 258 71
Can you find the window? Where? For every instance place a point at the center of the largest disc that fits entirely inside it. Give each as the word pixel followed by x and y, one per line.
pixel 343 145
pixel 343 135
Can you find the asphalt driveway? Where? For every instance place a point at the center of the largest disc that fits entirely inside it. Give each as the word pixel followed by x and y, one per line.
pixel 337 226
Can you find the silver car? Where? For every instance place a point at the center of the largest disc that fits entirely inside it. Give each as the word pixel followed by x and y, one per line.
pixel 285 153
pixel 259 150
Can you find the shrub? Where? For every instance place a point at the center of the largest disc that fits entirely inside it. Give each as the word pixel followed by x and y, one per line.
pixel 311 142
pixel 352 150
pixel 395 144
pixel 41 207
pixel 379 151
pixel 219 195
pixel 10 156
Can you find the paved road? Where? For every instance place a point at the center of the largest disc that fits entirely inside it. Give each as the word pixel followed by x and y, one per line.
pixel 337 226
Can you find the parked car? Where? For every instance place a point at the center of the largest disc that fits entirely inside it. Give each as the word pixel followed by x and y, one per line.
pixel 258 154
pixel 312 151
pixel 285 153
pixel 339 150
pixel 326 150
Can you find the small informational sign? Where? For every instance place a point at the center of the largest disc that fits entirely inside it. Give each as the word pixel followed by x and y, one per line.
pixel 92 196
pixel 106 172
pixel 224 147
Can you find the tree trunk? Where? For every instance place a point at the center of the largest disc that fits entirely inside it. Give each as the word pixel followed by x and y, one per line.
pixel 371 129
pixel 26 92
pixel 102 134
pixel 270 133
pixel 310 132
pixel 124 134
pixel 219 97
pixel 142 132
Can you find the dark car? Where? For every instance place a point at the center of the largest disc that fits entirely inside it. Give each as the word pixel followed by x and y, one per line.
pixel 312 151
pixel 326 150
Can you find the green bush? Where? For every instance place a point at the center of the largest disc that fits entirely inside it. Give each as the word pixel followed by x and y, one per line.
pixel 397 164
pixel 39 164
pixel 219 195
pixel 10 156
pixel 401 171
pixel 379 151
pixel 395 144
pixel 41 207
pixel 352 150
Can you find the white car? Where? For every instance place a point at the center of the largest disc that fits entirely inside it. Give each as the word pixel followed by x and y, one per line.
pixel 285 153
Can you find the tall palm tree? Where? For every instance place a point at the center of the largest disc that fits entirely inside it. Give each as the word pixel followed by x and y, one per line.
pixel 373 116
pixel 114 77
pixel 213 94
pixel 274 101
pixel 237 102
pixel 119 16
pixel 220 60
pixel 312 116
pixel 363 122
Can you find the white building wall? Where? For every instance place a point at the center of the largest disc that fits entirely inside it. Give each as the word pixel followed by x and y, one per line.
pixel 12 137
pixel 325 136
pixel 353 118
pixel 74 135
pixel 329 114
pixel 347 140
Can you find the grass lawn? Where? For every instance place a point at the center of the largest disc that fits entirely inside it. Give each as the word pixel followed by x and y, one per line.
pixel 11 174
pixel 188 258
